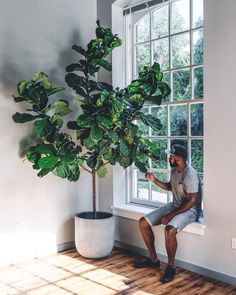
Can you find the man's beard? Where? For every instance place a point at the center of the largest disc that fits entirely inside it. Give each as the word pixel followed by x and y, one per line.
pixel 173 164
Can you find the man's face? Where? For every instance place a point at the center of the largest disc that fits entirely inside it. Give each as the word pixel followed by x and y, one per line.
pixel 175 161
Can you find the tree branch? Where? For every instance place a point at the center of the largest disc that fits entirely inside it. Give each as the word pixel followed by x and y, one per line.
pixel 86 170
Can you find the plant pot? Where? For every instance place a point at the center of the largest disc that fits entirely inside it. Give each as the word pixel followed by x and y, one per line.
pixel 94 238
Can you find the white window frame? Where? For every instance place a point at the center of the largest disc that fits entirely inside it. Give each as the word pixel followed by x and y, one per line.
pixel 130 61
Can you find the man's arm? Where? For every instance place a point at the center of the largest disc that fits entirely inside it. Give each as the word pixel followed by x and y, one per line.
pixel 164 185
pixel 190 202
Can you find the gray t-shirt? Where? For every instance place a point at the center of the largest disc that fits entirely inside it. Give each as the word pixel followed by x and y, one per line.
pixel 185 182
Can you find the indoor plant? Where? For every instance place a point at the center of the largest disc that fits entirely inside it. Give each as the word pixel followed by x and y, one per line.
pixel 107 131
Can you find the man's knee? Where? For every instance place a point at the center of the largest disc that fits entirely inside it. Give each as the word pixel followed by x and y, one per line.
pixel 170 231
pixel 143 224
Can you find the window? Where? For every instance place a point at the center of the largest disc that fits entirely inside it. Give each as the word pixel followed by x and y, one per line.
pixel 171 34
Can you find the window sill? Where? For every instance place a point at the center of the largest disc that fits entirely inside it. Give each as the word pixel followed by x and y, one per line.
pixel 135 212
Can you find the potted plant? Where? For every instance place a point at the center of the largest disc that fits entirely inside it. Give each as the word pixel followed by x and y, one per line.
pixel 107 130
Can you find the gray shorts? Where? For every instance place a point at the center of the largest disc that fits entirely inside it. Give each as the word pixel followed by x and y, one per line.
pixel 180 221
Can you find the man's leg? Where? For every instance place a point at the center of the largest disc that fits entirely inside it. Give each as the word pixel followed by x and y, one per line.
pixel 171 247
pixel 148 238
pixel 171 243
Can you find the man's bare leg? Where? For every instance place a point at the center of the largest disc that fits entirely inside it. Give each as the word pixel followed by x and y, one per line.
pixel 171 243
pixel 148 238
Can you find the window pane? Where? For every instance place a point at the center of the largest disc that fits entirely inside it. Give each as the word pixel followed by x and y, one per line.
pixel 142 56
pixel 143 29
pixel 160 113
pixel 197 154
pixel 197 119
pixel 162 162
pixel 166 79
pixel 142 126
pixel 161 53
pixel 142 185
pixel 180 16
pixel 160 19
pixel 181 85
pixel 197 13
pixel 158 194
pixel 180 50
pixel 178 120
pixel 198 82
pixel 198 47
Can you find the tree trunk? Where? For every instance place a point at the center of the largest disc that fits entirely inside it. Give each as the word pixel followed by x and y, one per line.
pixel 94 193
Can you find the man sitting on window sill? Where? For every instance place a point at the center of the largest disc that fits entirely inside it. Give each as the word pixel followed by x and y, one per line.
pixel 185 208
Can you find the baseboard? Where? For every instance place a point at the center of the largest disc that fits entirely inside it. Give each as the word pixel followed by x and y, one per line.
pixel 65 246
pixel 185 265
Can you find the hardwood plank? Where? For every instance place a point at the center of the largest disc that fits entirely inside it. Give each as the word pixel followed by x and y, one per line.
pixel 69 273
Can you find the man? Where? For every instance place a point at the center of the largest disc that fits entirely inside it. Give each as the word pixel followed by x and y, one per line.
pixel 185 208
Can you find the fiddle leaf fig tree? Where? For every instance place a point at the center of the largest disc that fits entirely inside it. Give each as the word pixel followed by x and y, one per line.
pixel 107 130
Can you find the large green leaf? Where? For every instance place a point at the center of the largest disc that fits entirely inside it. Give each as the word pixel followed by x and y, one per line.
pixel 38 76
pixel 104 85
pixel 135 87
pixel 156 99
pixel 43 128
pixel 39 96
pixel 84 121
pixel 23 118
pixel 58 103
pixel 22 87
pixel 125 161
pixel 48 162
pixel 136 98
pixel 151 121
pixel 18 98
pixel 74 172
pixel 105 64
pixel 113 135
pixel 116 42
pixel 156 67
pixel 73 125
pixel 44 172
pixel 62 170
pixel 76 82
pixel 69 158
pixel 55 90
pixel 141 166
pixel 64 111
pixel 124 149
pixel 74 67
pixel 96 133
pixel 104 121
pixel 32 155
pixel 89 143
pixel 46 149
pixel 56 119
pixel 46 84
pixel 130 134
pixel 92 161
pixel 102 171
pixel 79 49
pixel 164 89
pixel 117 107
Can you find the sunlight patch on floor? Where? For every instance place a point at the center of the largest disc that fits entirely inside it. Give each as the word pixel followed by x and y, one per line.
pixel 61 274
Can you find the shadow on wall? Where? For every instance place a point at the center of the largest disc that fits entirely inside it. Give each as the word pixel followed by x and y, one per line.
pixel 22 61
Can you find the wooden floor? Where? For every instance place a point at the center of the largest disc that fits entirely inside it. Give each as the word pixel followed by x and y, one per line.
pixel 69 273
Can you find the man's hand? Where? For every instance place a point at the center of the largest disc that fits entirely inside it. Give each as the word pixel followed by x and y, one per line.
pixel 165 219
pixel 149 176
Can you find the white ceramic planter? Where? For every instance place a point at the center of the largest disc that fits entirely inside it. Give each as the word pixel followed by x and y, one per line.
pixel 94 238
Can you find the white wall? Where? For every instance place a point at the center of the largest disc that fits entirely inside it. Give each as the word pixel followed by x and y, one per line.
pixel 213 250
pixel 37 214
